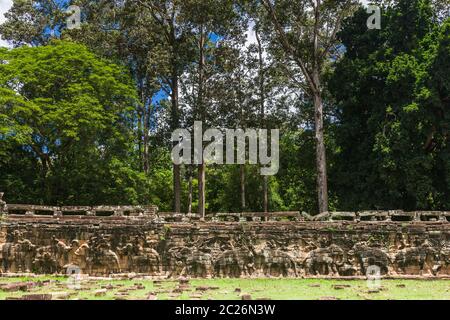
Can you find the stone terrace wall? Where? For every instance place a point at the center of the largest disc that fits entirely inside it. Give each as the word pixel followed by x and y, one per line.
pixel 395 242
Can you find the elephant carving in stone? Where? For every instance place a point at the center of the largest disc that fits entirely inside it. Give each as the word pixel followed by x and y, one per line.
pixel 417 260
pixel 91 260
pixel 366 256
pixel 17 253
pixel 147 261
pixel 200 264
pixel 43 262
pixel 177 260
pixel 24 255
pixel 61 253
pixel 7 256
pixel 443 265
pixel 275 262
pixel 325 261
pixel 234 263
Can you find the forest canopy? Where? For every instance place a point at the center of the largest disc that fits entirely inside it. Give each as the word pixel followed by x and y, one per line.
pixel 86 114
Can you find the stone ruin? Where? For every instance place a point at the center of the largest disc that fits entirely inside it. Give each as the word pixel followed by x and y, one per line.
pixel 107 240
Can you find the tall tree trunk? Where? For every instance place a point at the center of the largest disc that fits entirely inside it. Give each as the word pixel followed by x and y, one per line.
pixel 321 161
pixel 190 191
pixel 139 136
pixel 177 188
pixel 201 115
pixel 201 190
pixel 143 124
pixel 46 166
pixel 45 184
pixel 175 109
pixel 238 101
pixel 312 78
pixel 242 182
pixel 175 124
pixel 266 194
pixel 262 98
pixel 146 160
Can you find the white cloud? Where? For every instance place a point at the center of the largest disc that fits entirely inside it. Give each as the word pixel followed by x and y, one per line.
pixel 251 36
pixel 4 7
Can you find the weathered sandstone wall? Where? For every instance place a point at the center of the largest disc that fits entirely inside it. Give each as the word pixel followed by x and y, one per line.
pixel 153 246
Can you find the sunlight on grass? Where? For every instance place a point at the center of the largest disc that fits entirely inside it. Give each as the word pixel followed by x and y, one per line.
pixel 232 289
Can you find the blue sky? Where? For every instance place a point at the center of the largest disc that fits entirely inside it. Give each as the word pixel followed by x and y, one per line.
pixel 6 4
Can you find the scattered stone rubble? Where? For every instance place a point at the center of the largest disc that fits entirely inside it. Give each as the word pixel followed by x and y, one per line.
pixel 137 240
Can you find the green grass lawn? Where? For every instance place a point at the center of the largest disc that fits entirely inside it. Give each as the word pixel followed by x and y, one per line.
pixel 232 289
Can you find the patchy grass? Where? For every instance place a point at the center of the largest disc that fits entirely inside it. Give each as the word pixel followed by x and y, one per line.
pixel 232 289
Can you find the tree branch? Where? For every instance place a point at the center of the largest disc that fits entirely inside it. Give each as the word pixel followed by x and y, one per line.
pixel 288 46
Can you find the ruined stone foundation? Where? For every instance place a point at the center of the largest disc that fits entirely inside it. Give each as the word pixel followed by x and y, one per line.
pixel 145 245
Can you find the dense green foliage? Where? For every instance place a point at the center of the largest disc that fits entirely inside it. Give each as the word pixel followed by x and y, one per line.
pixel 66 127
pixel 392 97
pixel 79 123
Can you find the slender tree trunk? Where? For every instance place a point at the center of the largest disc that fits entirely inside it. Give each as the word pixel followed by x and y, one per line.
pixel 45 185
pixel 201 190
pixel 174 85
pixel 242 180
pixel 321 161
pixel 313 80
pixel 190 191
pixel 46 166
pixel 146 160
pixel 177 188
pixel 262 98
pixel 139 137
pixel 266 194
pixel 201 115
pixel 143 122
pixel 175 125
pixel 238 102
